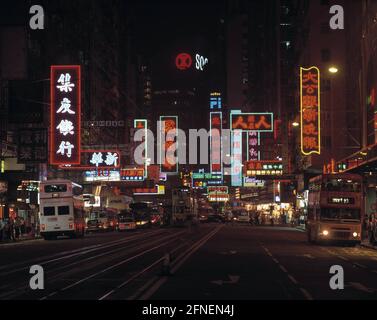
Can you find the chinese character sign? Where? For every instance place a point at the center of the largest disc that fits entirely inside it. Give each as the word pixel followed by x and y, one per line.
pixel 253 146
pixel 169 162
pixel 310 111
pixel 32 145
pixel 263 168
pixel 236 170
pixel 65 111
pixel 215 143
pixel 260 122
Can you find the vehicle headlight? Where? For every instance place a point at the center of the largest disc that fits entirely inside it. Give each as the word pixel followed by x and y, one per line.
pixel 325 232
pixel 355 234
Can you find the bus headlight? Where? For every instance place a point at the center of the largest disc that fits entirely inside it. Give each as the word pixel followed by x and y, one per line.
pixel 325 232
pixel 355 234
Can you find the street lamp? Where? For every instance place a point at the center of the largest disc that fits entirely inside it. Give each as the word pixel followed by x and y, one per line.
pixel 295 124
pixel 333 69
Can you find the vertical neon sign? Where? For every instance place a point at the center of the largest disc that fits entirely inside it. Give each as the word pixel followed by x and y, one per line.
pixel 143 124
pixel 236 170
pixel 65 114
pixel 168 162
pixel 310 111
pixel 215 142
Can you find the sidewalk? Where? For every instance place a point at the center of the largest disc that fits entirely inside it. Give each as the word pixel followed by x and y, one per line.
pixel 367 244
pixel 21 239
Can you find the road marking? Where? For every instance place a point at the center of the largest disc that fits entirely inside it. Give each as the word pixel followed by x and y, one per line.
pixel 293 279
pixel 361 287
pixel 73 253
pixel 282 268
pixel 232 280
pixel 119 263
pixel 307 295
pixel 181 260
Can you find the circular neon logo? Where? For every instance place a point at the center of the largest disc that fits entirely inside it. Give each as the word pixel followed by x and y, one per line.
pixel 183 61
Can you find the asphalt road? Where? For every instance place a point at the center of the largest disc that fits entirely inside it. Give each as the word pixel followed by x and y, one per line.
pixel 209 262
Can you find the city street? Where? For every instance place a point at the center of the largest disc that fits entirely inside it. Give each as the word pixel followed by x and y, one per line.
pixel 210 261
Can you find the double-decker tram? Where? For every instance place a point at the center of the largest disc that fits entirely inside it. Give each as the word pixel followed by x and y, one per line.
pixel 61 210
pixel 335 208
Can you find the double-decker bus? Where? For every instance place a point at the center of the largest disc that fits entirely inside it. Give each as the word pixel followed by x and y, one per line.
pixel 335 208
pixel 184 206
pixel 61 210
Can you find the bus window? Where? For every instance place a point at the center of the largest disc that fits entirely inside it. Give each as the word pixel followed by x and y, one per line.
pixel 340 213
pixel 49 211
pixel 63 210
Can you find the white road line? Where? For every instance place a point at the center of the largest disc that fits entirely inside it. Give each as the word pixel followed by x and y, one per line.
pixel 307 295
pixel 117 264
pixel 360 265
pixel 69 254
pixel 282 268
pixel 195 247
pixel 293 279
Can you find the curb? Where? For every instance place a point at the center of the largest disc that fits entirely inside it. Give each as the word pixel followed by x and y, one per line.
pixel 369 246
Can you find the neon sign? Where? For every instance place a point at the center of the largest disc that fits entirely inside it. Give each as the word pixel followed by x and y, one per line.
pixel 215 101
pixel 236 162
pixel 96 159
pixel 143 124
pixel 215 142
pixel 310 111
pixel 65 114
pixel 259 122
pixel 183 61
pixel 253 146
pixel 169 163
pixel 263 168
pixel 200 62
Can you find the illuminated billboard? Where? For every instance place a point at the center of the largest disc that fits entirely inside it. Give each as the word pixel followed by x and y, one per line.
pixel 217 189
pixel 253 143
pixel 215 142
pixel 183 61
pixel 236 161
pixel 263 168
pixel 65 114
pixel 215 101
pixel 96 159
pixel 250 182
pixel 310 111
pixel 169 162
pixel 143 124
pixel 259 122
pixel 203 180
pixel 133 174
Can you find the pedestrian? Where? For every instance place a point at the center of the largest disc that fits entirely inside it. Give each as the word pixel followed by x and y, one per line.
pixel 11 229
pixel 17 227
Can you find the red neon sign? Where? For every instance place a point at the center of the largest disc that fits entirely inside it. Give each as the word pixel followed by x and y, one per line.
pixel 65 114
pixel 183 61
